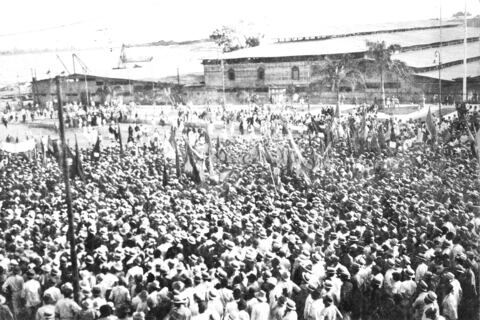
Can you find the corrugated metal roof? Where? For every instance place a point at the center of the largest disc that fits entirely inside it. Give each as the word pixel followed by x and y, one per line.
pixel 351 44
pixel 328 30
pixel 426 57
pixel 454 72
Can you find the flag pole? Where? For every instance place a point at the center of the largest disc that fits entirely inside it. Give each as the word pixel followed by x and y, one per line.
pixel 71 231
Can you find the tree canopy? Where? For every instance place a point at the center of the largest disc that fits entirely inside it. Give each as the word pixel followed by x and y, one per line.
pixel 379 61
pixel 229 39
pixel 336 73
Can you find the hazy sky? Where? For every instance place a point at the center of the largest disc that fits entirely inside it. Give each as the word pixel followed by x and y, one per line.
pixel 60 23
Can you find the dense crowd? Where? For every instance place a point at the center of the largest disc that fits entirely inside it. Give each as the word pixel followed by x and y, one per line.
pixel 372 231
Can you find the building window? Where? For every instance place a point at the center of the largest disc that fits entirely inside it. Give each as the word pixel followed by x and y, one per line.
pixel 295 73
pixel 261 74
pixel 231 74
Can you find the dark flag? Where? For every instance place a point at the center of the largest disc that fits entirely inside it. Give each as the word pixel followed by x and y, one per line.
pixel 290 161
pixel 209 153
pixel 193 164
pixel 381 138
pixel 120 138
pixel 165 174
pixel 72 170
pixel 77 163
pixel 374 143
pixel 53 149
pixel 96 150
pixel 393 138
pixel 172 139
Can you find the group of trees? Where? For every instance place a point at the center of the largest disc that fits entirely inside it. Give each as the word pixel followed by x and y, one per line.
pixel 230 39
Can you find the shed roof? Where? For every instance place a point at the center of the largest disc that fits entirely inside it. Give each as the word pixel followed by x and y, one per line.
pixel 454 72
pixel 351 44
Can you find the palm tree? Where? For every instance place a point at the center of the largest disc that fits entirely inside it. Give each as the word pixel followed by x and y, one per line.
pixel 380 57
pixel 337 73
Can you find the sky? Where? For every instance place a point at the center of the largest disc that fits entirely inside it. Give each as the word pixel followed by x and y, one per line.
pixel 34 24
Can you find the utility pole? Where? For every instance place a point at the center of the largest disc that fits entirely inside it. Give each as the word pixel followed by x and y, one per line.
pixel 34 90
pixel 66 179
pixel 465 55
pixel 437 55
pixel 223 81
pixel 178 76
pixel 440 67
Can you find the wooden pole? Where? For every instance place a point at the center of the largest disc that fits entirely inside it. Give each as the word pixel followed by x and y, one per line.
pixel 66 178
pixel 465 95
pixel 34 90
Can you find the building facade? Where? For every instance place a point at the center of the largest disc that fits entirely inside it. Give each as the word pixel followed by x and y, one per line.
pixel 291 65
pixel 89 89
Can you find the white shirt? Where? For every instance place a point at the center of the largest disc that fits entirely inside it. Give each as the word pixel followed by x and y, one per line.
pixel 32 293
pixel 260 311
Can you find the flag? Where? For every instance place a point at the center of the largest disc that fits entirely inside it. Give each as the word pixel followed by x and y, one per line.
pixel 381 137
pixel 177 162
pixel 172 139
pixel 393 138
pixel 432 130
pixel 120 138
pixel 375 146
pixel 165 174
pixel 209 153
pixel 315 125
pixel 290 161
pixel 96 150
pixel 337 111
pixel 77 163
pixel 71 168
pixel 193 164
pixel 53 149
pixel 387 137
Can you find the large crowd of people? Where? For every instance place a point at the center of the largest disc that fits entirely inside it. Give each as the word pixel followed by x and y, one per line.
pixel 385 228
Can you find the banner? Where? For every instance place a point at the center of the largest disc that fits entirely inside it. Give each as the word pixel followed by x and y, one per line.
pixel 24 146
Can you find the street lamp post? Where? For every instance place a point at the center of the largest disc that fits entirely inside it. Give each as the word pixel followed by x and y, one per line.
pixel 437 56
